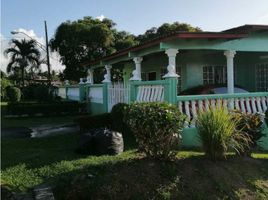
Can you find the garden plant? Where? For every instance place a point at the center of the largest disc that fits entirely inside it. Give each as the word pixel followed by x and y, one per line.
pixel 156 127
pixel 218 133
pixel 250 125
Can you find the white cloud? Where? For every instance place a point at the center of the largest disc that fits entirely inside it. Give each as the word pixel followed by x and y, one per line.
pixel 22 34
pixel 101 17
pixel 3 59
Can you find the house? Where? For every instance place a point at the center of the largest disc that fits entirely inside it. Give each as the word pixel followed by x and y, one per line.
pixel 159 70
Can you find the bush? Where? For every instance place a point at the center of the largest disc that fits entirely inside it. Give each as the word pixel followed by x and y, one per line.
pixel 156 127
pixel 36 92
pixel 251 125
pixel 117 117
pixel 43 108
pixel 96 121
pixel 217 131
pixel 5 83
pixel 13 94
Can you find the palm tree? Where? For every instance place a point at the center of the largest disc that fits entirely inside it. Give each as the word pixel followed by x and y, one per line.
pixel 23 54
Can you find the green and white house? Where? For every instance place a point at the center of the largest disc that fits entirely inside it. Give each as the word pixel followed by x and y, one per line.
pixel 160 69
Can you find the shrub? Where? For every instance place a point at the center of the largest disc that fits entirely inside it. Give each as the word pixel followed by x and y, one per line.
pixel 42 93
pixel 38 92
pixel 5 83
pixel 117 117
pixel 217 131
pixel 43 108
pixel 13 94
pixel 251 125
pixel 96 121
pixel 156 127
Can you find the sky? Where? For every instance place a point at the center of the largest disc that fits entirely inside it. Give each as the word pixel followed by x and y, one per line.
pixel 134 16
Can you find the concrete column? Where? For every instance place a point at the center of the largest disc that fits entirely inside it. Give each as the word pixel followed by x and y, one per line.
pixel 107 76
pixel 90 77
pixel 171 68
pixel 137 72
pixel 230 70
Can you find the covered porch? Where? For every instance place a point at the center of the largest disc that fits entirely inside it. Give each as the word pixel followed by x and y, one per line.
pixel 230 62
pixel 163 69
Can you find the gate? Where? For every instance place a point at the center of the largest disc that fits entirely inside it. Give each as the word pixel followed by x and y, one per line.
pixel 117 93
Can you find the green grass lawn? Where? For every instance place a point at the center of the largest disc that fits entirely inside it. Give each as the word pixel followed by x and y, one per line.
pixel 52 160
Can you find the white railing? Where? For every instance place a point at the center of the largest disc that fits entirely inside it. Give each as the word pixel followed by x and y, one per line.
pixel 245 102
pixel 117 93
pixel 95 93
pixel 150 93
pixel 73 93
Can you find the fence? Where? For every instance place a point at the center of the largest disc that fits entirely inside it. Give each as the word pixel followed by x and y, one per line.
pixel 117 93
pixel 73 93
pixel 245 102
pixel 102 97
pixel 62 92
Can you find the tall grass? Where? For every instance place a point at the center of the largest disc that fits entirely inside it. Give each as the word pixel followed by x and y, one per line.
pixel 218 133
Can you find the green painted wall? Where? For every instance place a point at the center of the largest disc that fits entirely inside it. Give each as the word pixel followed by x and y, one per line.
pixel 96 108
pixel 190 139
pixel 192 62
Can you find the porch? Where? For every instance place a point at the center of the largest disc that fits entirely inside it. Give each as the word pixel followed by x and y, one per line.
pixel 163 69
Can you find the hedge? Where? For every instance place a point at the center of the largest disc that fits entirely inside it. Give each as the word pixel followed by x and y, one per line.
pixel 54 108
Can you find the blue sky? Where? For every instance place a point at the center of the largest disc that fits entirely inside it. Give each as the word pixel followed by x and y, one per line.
pixel 135 16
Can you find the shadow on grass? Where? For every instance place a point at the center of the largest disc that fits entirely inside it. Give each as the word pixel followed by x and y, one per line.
pixel 30 162
pixel 38 152
pixel 131 176
pixel 193 177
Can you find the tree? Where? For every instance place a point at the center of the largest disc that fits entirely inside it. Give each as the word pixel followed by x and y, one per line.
pixel 124 40
pixel 166 29
pixel 4 84
pixel 23 54
pixel 86 40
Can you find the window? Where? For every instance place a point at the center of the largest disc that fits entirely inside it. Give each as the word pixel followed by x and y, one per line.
pixel 214 75
pixel 143 76
pixel 151 76
pixel 261 71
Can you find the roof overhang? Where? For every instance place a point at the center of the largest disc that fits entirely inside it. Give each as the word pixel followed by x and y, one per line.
pixel 130 52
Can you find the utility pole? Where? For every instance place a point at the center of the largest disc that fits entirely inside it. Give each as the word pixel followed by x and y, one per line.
pixel 48 62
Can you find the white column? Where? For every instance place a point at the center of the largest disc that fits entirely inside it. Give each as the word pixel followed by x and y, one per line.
pixel 171 53
pixel 230 70
pixel 90 76
pixel 137 72
pixel 107 76
pixel 81 81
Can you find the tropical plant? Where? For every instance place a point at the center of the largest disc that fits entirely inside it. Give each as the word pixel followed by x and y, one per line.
pixel 13 94
pixel 156 127
pixel 5 82
pixel 23 53
pixel 218 133
pixel 251 125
